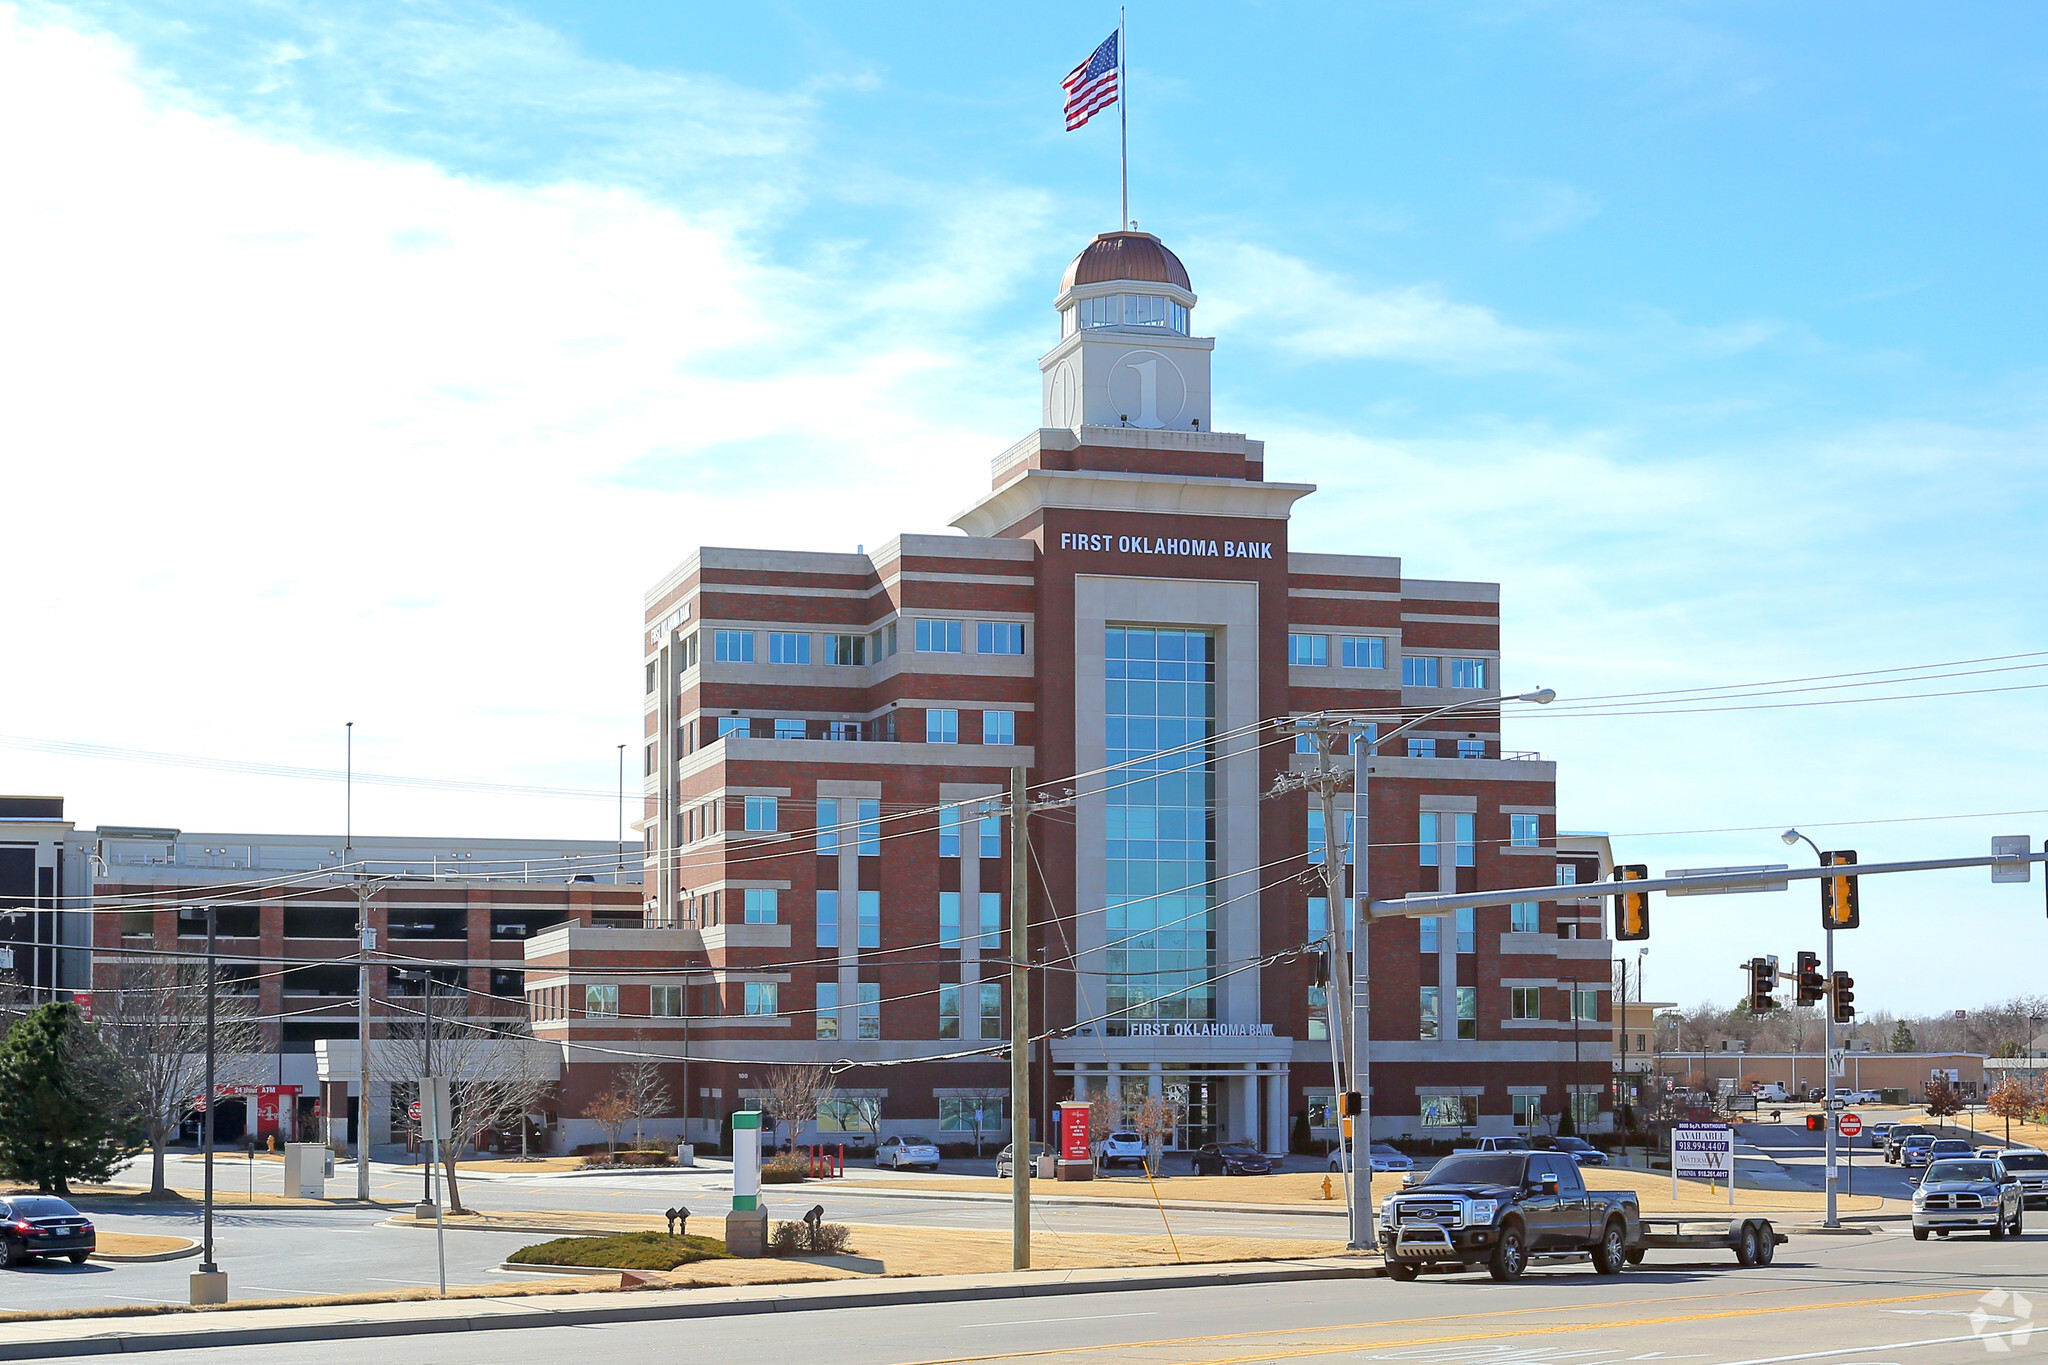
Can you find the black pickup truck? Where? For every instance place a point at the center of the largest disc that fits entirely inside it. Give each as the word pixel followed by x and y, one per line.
pixel 1503 1209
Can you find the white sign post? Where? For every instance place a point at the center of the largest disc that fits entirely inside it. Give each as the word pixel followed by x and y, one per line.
pixel 1702 1151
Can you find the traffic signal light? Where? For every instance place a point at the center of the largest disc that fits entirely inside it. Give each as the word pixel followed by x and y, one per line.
pixel 1811 989
pixel 1352 1104
pixel 1763 976
pixel 1843 987
pixel 1813 1124
pixel 1838 894
pixel 1632 908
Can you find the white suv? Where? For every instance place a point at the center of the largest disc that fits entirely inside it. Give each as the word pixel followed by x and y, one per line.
pixel 1119 1147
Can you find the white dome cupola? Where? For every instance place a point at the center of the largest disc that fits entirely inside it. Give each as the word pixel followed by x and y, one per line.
pixel 1126 356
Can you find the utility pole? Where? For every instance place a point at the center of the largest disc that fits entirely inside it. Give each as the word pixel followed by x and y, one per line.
pixel 1621 1022
pixel 619 867
pixel 1020 1029
pixel 366 943
pixel 208 1284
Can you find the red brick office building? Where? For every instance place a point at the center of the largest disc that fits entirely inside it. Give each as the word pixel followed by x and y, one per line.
pixel 1123 614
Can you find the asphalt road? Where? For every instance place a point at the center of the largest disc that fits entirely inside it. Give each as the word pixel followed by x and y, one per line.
pixel 1876 1300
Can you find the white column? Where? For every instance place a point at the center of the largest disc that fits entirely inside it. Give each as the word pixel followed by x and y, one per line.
pixel 1278 1131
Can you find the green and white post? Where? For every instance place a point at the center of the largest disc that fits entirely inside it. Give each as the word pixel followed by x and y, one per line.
pixel 746 1227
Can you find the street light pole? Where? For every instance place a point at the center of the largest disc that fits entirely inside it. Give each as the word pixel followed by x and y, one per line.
pixel 1827 1070
pixel 208 1284
pixel 1360 984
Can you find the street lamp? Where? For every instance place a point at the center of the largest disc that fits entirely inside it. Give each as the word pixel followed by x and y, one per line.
pixel 1793 837
pixel 1361 954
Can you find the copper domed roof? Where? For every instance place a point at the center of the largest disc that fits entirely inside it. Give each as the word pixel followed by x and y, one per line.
pixel 1126 256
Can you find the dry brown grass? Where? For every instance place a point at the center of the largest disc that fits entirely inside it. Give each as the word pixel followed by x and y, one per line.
pixel 138 1243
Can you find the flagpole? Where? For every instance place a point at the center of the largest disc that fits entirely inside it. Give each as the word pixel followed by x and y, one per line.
pixel 1123 120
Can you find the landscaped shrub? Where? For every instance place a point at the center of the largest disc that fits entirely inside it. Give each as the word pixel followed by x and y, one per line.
pixel 786 1168
pixel 799 1239
pixel 623 1251
pixel 643 1156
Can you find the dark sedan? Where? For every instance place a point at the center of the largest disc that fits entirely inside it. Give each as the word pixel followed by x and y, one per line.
pixel 1581 1151
pixel 37 1225
pixel 1231 1158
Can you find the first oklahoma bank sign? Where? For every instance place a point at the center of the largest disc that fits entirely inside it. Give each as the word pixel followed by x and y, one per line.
pixel 1166 545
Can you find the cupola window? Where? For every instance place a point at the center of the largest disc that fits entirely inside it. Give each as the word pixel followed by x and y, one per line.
pixel 1125 310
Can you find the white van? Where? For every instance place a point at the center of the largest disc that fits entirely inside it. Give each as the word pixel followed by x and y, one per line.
pixel 1770 1092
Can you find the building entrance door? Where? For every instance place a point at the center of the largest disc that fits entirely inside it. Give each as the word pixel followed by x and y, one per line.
pixel 1198 1104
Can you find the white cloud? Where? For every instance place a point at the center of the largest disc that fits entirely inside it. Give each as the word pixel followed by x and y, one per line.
pixel 1539 208
pixel 1317 315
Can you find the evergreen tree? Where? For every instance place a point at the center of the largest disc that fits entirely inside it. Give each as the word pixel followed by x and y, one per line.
pixel 1902 1038
pixel 60 1111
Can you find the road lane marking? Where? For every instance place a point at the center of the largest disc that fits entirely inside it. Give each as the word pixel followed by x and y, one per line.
pixel 1552 1330
pixel 1033 1322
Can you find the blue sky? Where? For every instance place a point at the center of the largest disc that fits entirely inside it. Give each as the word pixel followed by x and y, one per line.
pixel 370 360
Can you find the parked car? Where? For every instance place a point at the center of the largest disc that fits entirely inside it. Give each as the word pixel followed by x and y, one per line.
pixel 1384 1158
pixel 1988 1153
pixel 1119 1147
pixel 1770 1092
pixel 1499 1210
pixel 1005 1159
pixel 1582 1151
pixel 1511 1143
pixel 1967 1195
pixel 1230 1158
pixel 38 1225
pixel 2030 1166
pixel 901 1151
pixel 1896 1136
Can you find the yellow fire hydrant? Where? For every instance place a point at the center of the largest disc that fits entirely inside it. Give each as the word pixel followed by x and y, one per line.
pixel 1327 1194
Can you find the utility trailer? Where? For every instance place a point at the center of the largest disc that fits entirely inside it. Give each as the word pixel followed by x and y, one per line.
pixel 1753 1240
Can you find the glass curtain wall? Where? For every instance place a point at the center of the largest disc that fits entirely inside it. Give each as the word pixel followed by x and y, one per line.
pixel 1161 827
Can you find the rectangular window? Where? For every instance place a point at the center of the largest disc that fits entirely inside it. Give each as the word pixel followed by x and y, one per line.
pixel 984 1114
pixel 1523 831
pixel 785 647
pixel 941 725
pixel 601 1002
pixel 1586 1004
pixel 991 919
pixel 1567 874
pixel 1468 1011
pixel 949 831
pixel 938 637
pixel 761 813
pixel 1364 651
pixel 846 649
pixel 1528 1110
pixel 733 725
pixel 1468 672
pixel 845 731
pixel 1317 845
pixel 949 1012
pixel 882 643
pixel 1463 918
pixel 1421 748
pixel 828 919
pixel 850 1116
pixel 1462 840
pixel 828 1009
pixel 991 1009
pixel 868 831
pixel 1427 853
pixel 1429 1028
pixel 1523 919
pixel 869 1010
pixel 1364 737
pixel 999 637
pixel 1309 651
pixel 1318 1014
pixel 999 727
pixel 868 909
pixel 828 824
pixel 1471 748
pixel 760 997
pixel 1420 670
pixel 949 919
pixel 991 836
pixel 789 729
pixel 1449 1111
pixel 1585 1112
pixel 1305 742
pixel 1430 934
pixel 732 646
pixel 761 904
pixel 1525 1002
pixel 665 1002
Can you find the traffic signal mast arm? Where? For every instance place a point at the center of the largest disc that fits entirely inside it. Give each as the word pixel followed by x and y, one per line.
pixel 1436 904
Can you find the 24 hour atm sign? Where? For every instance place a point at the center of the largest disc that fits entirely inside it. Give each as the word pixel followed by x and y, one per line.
pixel 1167 545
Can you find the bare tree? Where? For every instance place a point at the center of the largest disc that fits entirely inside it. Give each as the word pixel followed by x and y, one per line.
pixel 640 1085
pixel 1152 1118
pixel 155 1026
pixel 611 1111
pixel 795 1094
pixel 487 1066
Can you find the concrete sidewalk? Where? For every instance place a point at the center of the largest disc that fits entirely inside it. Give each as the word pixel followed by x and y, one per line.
pixel 277 1326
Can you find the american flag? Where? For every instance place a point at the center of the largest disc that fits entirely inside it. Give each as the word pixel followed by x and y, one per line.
pixel 1091 86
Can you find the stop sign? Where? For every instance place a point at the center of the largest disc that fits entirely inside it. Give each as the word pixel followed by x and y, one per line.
pixel 1851 1125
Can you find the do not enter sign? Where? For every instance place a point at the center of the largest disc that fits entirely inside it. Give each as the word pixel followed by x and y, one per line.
pixel 1851 1125
pixel 412 1112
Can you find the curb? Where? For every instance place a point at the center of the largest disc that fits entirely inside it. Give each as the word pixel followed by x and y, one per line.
pixel 524 1229
pixel 557 1271
pixel 776 1299
pixel 189 1249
